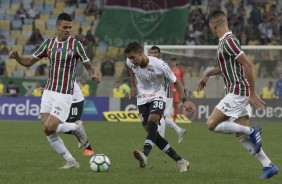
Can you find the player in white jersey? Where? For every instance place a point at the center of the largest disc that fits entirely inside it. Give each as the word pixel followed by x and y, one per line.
pixel 166 121
pixel 151 96
pixel 75 115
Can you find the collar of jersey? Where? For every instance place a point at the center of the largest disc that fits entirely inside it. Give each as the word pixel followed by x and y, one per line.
pixel 63 41
pixel 229 32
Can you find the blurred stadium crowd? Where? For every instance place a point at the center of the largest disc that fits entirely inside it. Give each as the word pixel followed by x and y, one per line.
pixel 26 23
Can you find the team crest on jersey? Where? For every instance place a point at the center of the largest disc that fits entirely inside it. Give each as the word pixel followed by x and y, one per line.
pixel 150 68
pixel 70 52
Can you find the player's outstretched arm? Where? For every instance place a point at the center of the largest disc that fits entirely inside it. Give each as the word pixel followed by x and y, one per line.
pixel 91 72
pixel 25 61
pixel 133 91
pixel 248 68
pixel 203 81
pixel 179 88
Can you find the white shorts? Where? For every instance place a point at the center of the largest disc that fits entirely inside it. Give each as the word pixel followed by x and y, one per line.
pixel 168 106
pixel 57 104
pixel 235 106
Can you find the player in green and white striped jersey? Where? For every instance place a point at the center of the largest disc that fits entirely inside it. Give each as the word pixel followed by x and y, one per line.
pixel 63 52
pixel 231 115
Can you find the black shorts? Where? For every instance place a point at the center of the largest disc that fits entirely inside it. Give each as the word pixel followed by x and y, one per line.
pixel 75 112
pixel 154 107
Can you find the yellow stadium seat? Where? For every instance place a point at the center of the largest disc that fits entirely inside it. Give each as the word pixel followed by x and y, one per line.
pixel 27 27
pixel 10 11
pixel 15 32
pixel 22 40
pixel 39 2
pixel 43 16
pixel 99 54
pixel 85 29
pixel 78 11
pixel 40 24
pixel 20 67
pixel 15 6
pixel 49 33
pixel 10 67
pixel 29 73
pixel 60 5
pixel 5 25
pixel 119 65
pixel 89 18
pixel 52 2
pixel 57 11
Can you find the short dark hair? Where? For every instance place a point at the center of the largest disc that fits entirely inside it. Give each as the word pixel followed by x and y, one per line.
pixel 173 59
pixel 216 14
pixel 156 48
pixel 133 47
pixel 64 16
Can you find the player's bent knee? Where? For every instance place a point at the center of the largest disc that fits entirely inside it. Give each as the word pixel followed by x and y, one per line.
pixel 211 124
pixel 48 130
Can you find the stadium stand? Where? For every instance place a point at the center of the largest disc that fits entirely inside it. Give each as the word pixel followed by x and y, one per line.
pixel 247 23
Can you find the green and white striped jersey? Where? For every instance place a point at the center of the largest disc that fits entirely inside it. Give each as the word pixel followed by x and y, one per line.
pixel 63 57
pixel 229 49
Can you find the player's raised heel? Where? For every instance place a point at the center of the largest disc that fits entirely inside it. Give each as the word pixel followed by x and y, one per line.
pixel 181 135
pixel 183 165
pixel 140 157
pixel 268 172
pixel 80 133
pixel 256 138
pixel 71 164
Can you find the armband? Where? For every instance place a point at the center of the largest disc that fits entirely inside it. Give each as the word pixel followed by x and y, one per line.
pixel 184 99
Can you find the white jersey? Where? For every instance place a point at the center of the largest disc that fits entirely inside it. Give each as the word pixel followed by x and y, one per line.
pixel 150 80
pixel 77 94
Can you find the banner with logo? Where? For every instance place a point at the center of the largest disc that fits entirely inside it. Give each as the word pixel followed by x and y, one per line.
pixel 204 107
pixel 161 22
pixel 133 116
pixel 94 108
pixel 28 108
pixel 19 108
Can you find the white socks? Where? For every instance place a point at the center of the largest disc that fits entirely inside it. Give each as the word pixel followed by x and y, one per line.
pixel 161 127
pixel 58 144
pixel 229 127
pixel 66 127
pixel 173 125
pixel 249 145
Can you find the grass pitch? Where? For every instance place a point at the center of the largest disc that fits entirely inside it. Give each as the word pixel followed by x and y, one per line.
pixel 26 156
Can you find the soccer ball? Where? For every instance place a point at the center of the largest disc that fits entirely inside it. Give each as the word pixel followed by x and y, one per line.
pixel 99 163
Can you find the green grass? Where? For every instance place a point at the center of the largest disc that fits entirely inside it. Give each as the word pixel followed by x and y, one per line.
pixel 27 157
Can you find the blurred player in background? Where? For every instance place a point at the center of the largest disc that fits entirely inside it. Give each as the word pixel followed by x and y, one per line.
pixel 63 52
pixel 75 115
pixel 278 88
pixel 179 73
pixel 155 52
pixel 231 115
pixel 150 73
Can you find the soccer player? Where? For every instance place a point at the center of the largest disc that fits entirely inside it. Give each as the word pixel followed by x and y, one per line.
pixel 278 88
pixel 179 73
pixel 63 52
pixel 75 115
pixel 231 115
pixel 150 73
pixel 155 52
